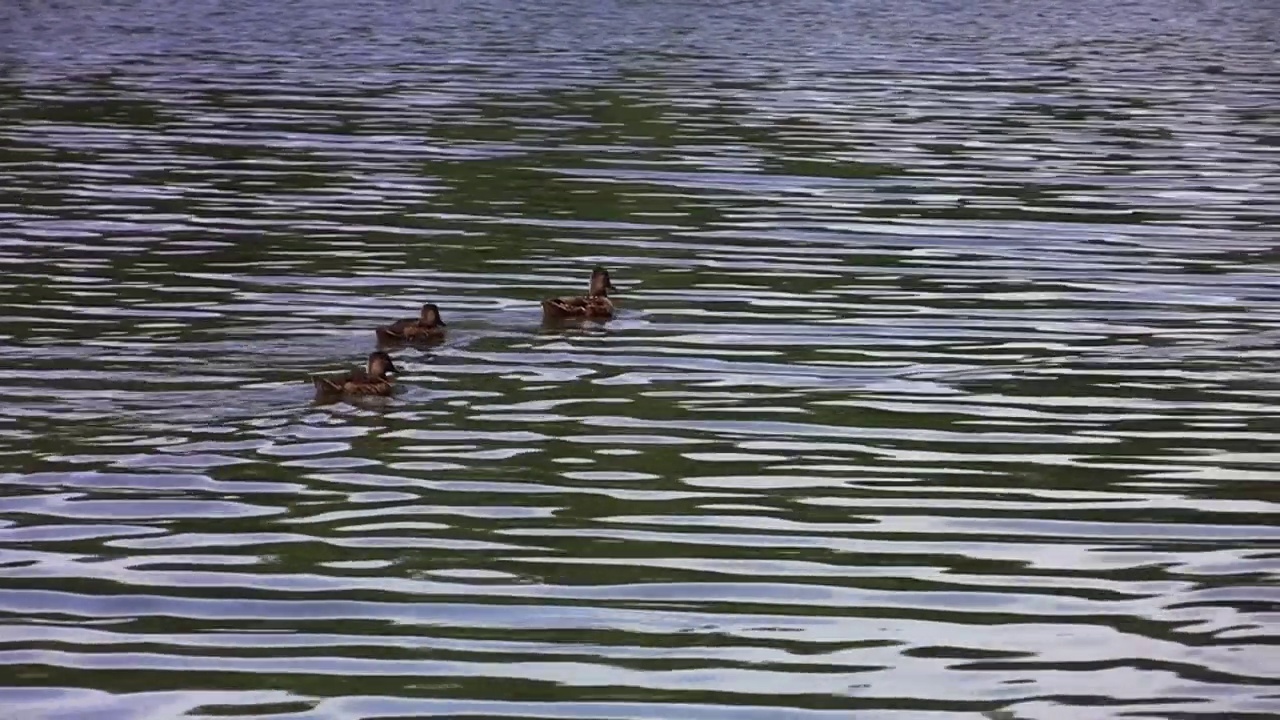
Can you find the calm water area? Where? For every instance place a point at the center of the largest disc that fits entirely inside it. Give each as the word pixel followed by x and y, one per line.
pixel 945 381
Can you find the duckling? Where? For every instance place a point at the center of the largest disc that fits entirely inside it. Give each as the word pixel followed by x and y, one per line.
pixel 426 327
pixel 595 304
pixel 369 380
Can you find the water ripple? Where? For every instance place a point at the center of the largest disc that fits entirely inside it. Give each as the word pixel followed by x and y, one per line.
pixel 943 381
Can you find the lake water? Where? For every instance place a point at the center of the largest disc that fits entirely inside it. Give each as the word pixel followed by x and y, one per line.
pixel 944 382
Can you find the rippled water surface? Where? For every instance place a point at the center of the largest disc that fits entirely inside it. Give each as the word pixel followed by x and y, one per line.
pixel 944 382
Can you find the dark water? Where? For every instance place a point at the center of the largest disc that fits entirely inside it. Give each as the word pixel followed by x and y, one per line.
pixel 945 379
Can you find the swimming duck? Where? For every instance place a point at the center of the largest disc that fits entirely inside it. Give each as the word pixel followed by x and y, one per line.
pixel 369 380
pixel 427 326
pixel 595 304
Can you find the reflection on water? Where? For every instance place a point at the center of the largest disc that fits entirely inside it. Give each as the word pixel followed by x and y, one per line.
pixel 943 383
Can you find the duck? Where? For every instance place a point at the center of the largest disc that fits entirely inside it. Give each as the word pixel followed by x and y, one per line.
pixel 595 304
pixel 369 380
pixel 427 326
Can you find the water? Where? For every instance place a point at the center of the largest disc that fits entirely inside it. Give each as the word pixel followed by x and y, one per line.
pixel 944 383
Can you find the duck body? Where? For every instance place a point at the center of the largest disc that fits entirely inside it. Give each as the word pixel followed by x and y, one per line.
pixel 595 304
pixel 425 328
pixel 581 306
pixel 366 381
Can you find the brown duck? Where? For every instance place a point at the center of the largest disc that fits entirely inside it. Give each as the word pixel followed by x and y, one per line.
pixel 427 326
pixel 370 380
pixel 595 304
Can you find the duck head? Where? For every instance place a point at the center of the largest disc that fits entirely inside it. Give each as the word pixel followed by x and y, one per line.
pixel 380 364
pixel 600 283
pixel 431 316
